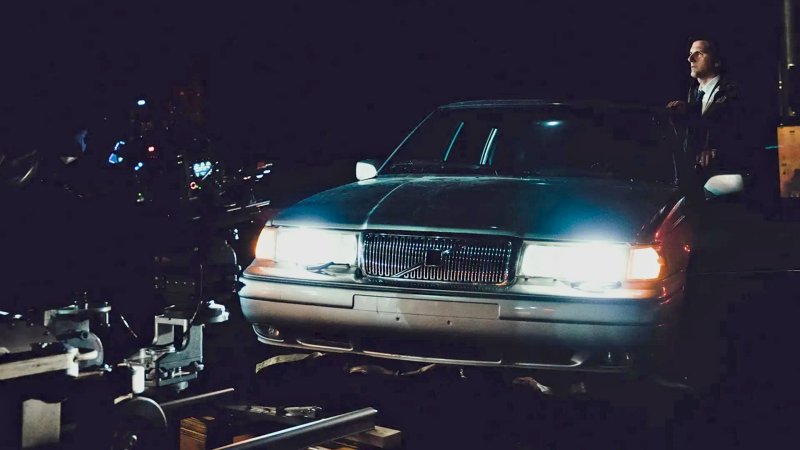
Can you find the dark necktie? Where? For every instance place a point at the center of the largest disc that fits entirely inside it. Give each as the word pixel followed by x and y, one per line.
pixel 700 94
pixel 696 110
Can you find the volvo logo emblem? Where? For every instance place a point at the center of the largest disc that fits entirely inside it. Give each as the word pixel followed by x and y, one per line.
pixel 433 258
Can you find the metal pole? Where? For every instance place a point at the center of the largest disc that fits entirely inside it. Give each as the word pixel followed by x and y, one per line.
pixel 786 65
pixel 311 433
pixel 788 32
pixel 189 401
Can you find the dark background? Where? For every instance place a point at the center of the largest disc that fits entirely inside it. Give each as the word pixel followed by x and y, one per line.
pixel 314 86
pixel 325 82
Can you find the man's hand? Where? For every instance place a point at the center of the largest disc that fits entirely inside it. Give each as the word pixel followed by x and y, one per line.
pixel 677 106
pixel 705 157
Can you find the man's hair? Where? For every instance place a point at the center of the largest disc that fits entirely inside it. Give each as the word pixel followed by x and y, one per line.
pixel 712 48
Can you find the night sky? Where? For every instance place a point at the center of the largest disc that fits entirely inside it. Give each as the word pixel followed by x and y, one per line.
pixel 347 79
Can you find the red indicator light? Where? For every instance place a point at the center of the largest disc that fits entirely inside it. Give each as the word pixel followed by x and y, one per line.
pixel 151 149
pixel 193 185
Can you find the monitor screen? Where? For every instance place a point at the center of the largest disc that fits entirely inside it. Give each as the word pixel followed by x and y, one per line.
pixel 201 169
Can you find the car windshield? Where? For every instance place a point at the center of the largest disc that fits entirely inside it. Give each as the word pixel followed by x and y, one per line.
pixel 547 140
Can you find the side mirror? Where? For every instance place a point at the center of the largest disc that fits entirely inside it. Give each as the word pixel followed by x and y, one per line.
pixel 725 184
pixel 366 169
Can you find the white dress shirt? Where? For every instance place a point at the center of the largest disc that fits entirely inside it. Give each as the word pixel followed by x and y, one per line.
pixel 709 91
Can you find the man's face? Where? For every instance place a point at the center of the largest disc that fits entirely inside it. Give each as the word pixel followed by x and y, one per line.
pixel 701 63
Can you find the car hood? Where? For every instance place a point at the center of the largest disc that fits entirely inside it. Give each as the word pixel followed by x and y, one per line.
pixel 541 208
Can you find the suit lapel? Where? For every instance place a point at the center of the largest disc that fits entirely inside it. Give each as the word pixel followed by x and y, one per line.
pixel 719 96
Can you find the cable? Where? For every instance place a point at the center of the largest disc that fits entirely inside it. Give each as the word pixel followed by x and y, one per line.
pixel 187 335
pixel 125 322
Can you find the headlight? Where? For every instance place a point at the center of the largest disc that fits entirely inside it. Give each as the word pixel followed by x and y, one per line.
pixel 265 247
pixel 593 263
pixel 644 264
pixel 307 247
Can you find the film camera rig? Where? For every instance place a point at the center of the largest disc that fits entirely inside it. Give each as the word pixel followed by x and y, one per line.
pixel 66 366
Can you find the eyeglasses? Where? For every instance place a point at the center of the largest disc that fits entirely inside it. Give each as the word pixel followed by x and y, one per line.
pixel 693 56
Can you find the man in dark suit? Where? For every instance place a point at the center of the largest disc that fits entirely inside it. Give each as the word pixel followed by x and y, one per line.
pixel 713 135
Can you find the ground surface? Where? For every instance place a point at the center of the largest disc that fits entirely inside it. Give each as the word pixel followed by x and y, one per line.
pixel 756 405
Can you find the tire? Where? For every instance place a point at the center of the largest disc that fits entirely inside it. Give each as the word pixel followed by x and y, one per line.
pixel 139 423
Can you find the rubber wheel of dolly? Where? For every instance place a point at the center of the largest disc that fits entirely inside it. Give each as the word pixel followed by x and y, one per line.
pixel 139 423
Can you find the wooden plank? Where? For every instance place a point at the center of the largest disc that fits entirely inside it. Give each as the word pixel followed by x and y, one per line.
pixel 193 436
pixel 333 446
pixel 193 433
pixel 42 364
pixel 243 437
pixel 380 437
pixel 789 161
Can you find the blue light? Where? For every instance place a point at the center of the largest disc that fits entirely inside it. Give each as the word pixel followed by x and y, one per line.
pixel 552 123
pixel 141 103
pixel 114 159
pixel 118 145
pixel 201 169
pixel 138 166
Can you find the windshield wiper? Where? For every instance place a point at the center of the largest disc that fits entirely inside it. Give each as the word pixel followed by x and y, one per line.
pixel 587 173
pixel 416 164
pixel 442 167
pixel 572 172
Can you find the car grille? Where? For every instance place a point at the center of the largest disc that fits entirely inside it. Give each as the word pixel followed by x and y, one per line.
pixel 437 258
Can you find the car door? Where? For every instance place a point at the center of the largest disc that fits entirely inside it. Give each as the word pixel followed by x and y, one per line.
pixel 747 262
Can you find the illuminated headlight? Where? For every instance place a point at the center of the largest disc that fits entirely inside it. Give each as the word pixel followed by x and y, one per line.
pixel 307 247
pixel 644 263
pixel 592 263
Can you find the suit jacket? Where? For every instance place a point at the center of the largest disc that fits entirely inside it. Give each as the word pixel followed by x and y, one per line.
pixel 719 128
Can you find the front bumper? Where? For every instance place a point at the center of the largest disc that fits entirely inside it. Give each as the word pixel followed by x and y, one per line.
pixel 465 328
